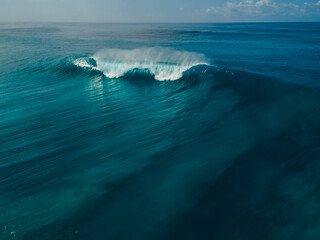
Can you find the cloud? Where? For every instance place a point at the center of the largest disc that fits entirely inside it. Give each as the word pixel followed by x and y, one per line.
pixel 263 8
pixel 310 8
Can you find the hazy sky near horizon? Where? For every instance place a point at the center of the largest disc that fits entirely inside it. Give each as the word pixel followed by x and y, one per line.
pixel 158 10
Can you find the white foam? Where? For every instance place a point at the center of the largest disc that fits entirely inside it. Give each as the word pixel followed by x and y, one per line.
pixel 82 62
pixel 163 63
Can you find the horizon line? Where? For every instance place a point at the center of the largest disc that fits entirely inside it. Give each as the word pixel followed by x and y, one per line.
pixel 90 22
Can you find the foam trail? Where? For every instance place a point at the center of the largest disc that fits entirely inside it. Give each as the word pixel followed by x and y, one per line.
pixel 163 63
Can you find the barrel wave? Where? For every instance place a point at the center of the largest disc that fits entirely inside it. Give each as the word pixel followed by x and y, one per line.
pixel 162 63
pixel 167 132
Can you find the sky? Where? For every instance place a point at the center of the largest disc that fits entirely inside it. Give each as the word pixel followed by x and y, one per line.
pixel 158 10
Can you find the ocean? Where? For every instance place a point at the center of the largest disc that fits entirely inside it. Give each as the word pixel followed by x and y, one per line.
pixel 160 131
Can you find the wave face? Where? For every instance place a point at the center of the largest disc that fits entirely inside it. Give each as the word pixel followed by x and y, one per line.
pixel 162 63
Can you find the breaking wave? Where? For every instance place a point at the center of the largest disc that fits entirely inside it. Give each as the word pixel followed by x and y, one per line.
pixel 162 63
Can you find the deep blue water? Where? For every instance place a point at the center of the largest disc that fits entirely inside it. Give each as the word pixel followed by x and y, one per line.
pixel 160 131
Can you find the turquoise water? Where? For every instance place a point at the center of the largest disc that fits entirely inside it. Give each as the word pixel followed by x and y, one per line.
pixel 160 131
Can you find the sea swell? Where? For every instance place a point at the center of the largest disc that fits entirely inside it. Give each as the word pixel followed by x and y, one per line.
pixel 213 134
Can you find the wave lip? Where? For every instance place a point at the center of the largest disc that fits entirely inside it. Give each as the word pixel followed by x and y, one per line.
pixel 162 63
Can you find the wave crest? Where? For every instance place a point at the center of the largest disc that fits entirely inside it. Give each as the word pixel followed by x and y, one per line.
pixel 162 63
